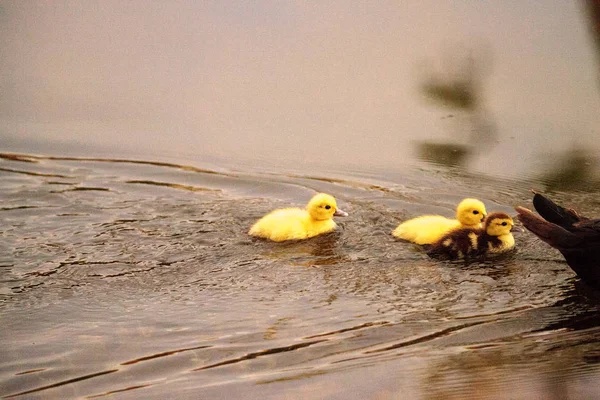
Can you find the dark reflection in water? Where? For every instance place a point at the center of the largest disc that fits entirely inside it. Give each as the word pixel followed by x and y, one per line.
pixel 573 169
pixel 145 284
pixel 458 87
pixel 592 11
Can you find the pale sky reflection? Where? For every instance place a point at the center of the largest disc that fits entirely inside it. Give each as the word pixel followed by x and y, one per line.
pixel 287 81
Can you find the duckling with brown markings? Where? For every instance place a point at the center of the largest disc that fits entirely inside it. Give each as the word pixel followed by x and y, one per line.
pixel 494 238
pixel 428 229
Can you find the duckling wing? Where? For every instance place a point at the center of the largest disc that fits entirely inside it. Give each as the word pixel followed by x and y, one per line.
pixel 445 247
pixel 426 229
pixel 554 213
pixel 462 242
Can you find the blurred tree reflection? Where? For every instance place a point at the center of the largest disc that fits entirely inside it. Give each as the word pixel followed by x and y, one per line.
pixel 592 9
pixel 458 87
pixel 576 167
pixel 574 171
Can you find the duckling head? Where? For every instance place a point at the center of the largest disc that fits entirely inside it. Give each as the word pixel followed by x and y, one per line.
pixel 498 224
pixel 323 206
pixel 470 212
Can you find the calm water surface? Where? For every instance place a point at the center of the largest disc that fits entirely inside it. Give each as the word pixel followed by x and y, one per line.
pixel 136 279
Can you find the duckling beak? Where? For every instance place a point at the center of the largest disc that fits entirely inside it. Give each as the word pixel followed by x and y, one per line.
pixel 518 228
pixel 340 213
pixel 515 228
pixel 483 217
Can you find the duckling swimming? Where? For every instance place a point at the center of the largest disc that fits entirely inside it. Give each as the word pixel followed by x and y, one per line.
pixel 295 223
pixel 428 229
pixel 494 238
pixel 575 236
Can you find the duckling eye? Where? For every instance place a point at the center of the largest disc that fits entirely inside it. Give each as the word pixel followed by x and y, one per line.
pixel 475 212
pixel 327 207
pixel 504 223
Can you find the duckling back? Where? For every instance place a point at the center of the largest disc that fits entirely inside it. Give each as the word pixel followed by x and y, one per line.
pixel 284 224
pixel 426 229
pixel 462 242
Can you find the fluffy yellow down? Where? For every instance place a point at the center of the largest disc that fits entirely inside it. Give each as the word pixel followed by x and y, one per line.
pixel 428 229
pixel 296 223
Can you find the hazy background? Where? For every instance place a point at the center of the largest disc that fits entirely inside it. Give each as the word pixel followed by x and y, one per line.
pixel 277 83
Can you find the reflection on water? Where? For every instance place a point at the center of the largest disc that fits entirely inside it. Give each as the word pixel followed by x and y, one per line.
pixel 448 154
pixel 573 169
pixel 133 279
pixel 592 11
pixel 459 87
pixel 281 88
pixel 459 83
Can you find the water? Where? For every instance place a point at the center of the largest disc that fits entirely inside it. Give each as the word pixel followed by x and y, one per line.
pixel 140 140
pixel 137 279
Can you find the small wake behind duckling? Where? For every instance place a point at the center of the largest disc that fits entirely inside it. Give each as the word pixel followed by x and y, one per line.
pixel 296 224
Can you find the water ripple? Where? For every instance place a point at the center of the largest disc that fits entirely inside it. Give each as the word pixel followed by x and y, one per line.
pixel 119 267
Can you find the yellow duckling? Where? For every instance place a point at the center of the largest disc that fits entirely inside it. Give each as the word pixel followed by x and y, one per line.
pixel 295 223
pixel 428 229
pixel 494 238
